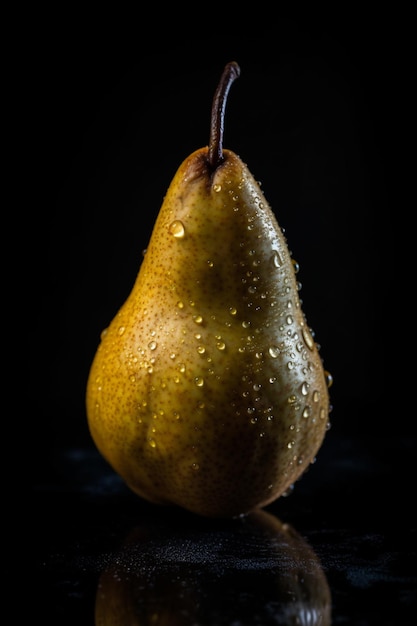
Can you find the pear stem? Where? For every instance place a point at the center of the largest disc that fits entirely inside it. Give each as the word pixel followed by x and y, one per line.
pixel 215 149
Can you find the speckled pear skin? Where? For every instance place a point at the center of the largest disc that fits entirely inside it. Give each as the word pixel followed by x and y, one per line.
pixel 207 390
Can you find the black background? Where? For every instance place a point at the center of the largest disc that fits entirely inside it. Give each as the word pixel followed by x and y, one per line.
pixel 113 104
pixel 310 115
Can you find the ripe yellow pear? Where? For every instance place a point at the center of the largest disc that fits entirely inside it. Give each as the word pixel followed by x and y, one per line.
pixel 207 390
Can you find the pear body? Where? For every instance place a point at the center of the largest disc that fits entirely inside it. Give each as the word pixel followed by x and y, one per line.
pixel 207 390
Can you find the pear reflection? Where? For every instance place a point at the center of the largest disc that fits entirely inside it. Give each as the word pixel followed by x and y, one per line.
pixel 249 571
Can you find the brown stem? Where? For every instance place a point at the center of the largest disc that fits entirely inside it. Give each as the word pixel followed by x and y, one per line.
pixel 215 150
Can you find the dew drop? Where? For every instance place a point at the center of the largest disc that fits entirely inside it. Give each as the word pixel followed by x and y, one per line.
pixel 277 260
pixel 172 355
pixel 220 345
pixel 316 396
pixel 232 310
pixel 290 365
pixel 289 319
pixel 121 330
pixel 180 304
pixel 295 266
pixel 304 388
pixel 329 379
pixel 306 412
pixel 274 351
pixel 288 491
pixel 198 319
pixel 201 349
pixel 308 338
pixel 195 466
pixel 152 345
pixel 199 381
pixel 177 229
pixel 217 188
pixel 272 379
pixel 152 443
pixel 103 333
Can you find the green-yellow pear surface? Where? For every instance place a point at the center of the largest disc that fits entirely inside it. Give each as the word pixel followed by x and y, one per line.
pixel 207 390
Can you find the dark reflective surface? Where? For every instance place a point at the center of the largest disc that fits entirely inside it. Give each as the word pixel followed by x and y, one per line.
pixel 339 550
pixel 190 571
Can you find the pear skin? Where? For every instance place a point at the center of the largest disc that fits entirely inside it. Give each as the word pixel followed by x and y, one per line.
pixel 207 390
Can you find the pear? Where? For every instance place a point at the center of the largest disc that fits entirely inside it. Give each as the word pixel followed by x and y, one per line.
pixel 207 390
